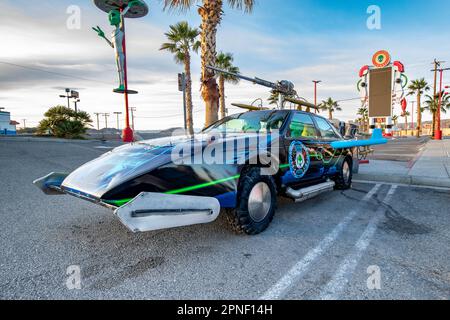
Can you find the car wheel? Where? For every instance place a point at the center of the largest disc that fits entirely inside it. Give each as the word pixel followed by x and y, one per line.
pixel 344 178
pixel 257 201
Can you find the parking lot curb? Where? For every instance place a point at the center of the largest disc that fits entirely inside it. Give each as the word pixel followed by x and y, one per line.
pixel 407 180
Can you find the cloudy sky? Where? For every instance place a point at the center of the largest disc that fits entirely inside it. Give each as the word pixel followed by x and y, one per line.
pixel 298 40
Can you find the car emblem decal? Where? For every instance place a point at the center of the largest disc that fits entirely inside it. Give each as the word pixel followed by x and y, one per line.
pixel 299 159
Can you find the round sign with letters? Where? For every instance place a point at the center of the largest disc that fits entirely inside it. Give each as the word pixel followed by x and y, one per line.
pixel 381 59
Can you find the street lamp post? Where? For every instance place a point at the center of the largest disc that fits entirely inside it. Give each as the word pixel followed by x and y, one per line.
pixel 67 96
pixel 316 82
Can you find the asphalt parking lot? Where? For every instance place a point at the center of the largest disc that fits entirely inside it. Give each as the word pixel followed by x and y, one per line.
pixel 403 149
pixel 377 241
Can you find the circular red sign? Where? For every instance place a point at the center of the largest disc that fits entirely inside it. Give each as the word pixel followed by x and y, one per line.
pixel 381 59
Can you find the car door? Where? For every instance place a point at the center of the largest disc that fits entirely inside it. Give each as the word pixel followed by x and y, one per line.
pixel 302 131
pixel 328 155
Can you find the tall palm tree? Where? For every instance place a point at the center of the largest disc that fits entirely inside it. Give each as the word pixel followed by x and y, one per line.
pixel 225 61
pixel 331 106
pixel 211 12
pixel 182 40
pixel 418 87
pixel 432 104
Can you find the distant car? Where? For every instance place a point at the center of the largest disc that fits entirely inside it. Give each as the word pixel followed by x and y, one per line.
pixel 148 189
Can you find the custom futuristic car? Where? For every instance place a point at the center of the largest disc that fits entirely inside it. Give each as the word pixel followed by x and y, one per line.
pixel 240 164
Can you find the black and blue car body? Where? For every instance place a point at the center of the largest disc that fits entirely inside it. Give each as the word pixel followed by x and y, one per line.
pixel 258 156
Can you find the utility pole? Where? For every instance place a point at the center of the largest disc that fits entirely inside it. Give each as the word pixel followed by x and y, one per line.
pixel 316 82
pixel 118 121
pixel 438 133
pixel 436 64
pixel 106 115
pixel 98 120
pixel 24 123
pixel 133 110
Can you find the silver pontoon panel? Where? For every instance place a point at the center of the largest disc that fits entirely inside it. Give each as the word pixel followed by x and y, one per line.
pixel 155 211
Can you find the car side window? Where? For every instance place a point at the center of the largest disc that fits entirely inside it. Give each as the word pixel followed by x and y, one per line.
pixel 326 129
pixel 302 127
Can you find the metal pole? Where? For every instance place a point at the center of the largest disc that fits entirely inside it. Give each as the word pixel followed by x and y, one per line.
pixel 184 102
pixel 412 117
pixel 132 117
pixel 118 120
pixel 128 132
pixel 106 119
pixel 315 93
pixel 438 134
pixel 98 120
pixel 281 101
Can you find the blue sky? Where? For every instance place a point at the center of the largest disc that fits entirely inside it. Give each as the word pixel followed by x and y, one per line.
pixel 298 40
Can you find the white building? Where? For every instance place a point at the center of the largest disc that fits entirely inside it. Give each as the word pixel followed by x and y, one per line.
pixel 7 127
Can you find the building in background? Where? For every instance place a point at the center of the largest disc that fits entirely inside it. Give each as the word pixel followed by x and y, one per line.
pixel 7 126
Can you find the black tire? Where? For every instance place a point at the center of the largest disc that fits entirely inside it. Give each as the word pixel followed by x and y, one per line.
pixel 241 219
pixel 344 180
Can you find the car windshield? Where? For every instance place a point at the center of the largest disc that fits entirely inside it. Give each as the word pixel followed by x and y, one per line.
pixel 250 122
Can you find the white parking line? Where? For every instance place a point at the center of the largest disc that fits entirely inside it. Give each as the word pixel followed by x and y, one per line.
pixel 282 286
pixel 341 278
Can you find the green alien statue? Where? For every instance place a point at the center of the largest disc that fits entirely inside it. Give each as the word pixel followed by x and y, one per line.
pixel 116 19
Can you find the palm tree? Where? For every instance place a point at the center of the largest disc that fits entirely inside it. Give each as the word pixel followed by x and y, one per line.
pixel 406 115
pixel 182 40
pixel 331 106
pixel 225 61
pixel 432 105
pixel 275 99
pixel 395 119
pixel 364 113
pixel 418 87
pixel 211 12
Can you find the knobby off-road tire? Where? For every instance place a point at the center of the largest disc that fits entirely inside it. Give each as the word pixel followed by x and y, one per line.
pixel 257 203
pixel 345 176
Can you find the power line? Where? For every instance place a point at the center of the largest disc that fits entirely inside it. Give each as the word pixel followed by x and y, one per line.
pixel 51 72
pixel 168 116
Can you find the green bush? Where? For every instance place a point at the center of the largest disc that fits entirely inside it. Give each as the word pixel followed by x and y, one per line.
pixel 63 122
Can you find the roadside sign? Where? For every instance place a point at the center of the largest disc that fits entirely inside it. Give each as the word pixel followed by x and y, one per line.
pixel 181 82
pixel 380 96
pixel 75 94
pixel 381 59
